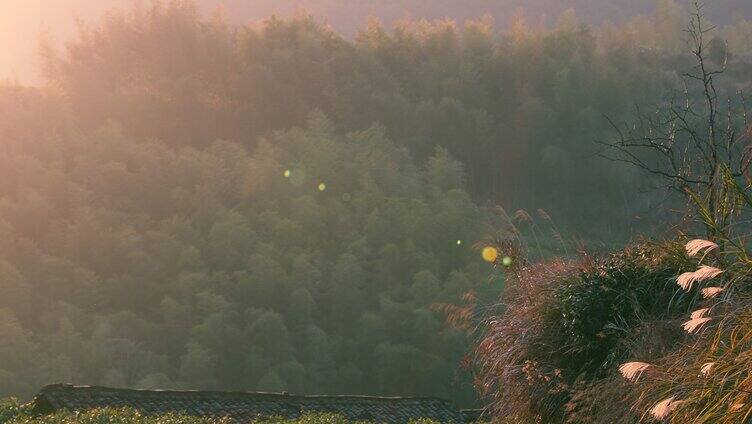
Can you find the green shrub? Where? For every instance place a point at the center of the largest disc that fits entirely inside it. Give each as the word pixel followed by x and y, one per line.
pixel 12 412
pixel 602 304
pixel 567 325
pixel 315 418
pixel 10 409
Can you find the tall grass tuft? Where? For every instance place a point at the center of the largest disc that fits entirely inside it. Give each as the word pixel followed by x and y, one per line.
pixel 559 349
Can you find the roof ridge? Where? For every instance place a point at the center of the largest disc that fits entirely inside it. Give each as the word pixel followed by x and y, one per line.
pixel 246 406
pixel 276 395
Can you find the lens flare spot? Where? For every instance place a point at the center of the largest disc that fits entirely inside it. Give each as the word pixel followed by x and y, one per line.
pixel 287 173
pixel 490 254
pixel 506 261
pixel 322 187
pixel 459 242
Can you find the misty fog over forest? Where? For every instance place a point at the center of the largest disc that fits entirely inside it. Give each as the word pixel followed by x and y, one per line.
pixel 244 202
pixel 24 23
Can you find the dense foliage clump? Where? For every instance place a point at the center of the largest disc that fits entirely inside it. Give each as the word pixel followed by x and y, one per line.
pixel 12 412
pixel 610 298
pixel 568 325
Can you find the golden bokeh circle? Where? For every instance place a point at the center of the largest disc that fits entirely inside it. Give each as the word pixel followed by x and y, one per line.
pixel 490 254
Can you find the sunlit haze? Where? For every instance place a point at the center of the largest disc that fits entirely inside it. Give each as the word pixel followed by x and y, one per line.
pixel 23 21
pixel 392 211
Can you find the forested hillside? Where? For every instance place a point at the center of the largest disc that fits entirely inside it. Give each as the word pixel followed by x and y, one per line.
pixel 188 203
pixel 496 102
pixel 21 21
pixel 138 263
pixel 346 16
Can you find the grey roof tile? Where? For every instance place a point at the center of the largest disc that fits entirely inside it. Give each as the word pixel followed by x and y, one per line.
pixel 242 406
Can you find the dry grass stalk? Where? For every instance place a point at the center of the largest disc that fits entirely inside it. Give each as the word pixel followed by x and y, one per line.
pixel 705 272
pixel 706 368
pixel 633 370
pixel 522 216
pixel 513 384
pixel 543 214
pixel 665 407
pixel 694 325
pixel 696 246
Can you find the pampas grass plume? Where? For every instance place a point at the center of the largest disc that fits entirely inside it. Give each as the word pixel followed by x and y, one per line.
pixel 700 313
pixel 705 272
pixel 693 325
pixel 698 245
pixel 663 408
pixel 633 370
pixel 711 292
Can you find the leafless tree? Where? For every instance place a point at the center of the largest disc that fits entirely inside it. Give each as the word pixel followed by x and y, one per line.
pixel 695 140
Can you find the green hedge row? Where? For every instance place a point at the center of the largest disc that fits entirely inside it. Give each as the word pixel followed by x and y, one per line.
pixel 13 412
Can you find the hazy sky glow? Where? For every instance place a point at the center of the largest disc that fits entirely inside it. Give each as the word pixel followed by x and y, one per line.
pixel 22 21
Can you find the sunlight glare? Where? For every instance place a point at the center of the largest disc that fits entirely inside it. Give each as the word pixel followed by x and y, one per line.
pixel 490 254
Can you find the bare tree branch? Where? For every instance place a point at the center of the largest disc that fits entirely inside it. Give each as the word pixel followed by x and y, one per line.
pixel 685 141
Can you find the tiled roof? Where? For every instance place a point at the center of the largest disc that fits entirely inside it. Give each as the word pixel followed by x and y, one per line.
pixel 244 407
